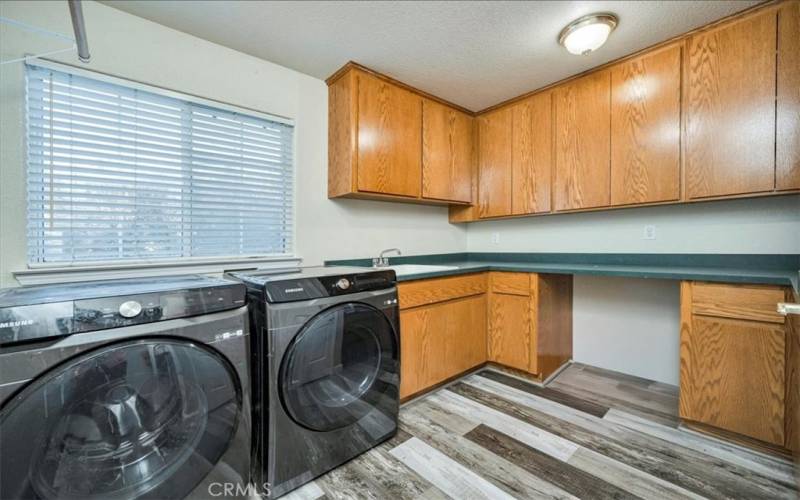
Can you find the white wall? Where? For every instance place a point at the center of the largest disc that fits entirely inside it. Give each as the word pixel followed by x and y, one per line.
pixel 759 225
pixel 632 325
pixel 130 47
pixel 628 325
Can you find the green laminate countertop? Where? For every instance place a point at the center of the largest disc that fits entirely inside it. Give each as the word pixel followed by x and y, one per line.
pixel 779 269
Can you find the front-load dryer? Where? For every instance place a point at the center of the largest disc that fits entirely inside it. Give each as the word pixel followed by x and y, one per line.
pixel 327 368
pixel 125 389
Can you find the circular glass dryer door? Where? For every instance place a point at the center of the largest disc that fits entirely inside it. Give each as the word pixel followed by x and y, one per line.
pixel 341 366
pixel 138 419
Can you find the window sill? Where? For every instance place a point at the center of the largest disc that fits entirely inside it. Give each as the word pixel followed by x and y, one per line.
pixel 71 274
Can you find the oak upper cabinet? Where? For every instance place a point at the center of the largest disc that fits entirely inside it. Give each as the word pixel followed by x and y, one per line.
pixel 494 163
pixel 447 153
pixel 582 136
pixel 646 128
pixel 730 108
pixel 380 147
pixel 787 175
pixel 389 138
pixel 531 154
pixel 733 359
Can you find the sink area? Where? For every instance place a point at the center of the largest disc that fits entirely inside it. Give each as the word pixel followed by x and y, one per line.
pixel 405 269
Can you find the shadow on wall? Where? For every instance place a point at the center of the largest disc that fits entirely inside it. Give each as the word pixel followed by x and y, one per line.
pixel 760 225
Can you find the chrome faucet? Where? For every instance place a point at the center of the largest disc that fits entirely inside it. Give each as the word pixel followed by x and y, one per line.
pixel 382 260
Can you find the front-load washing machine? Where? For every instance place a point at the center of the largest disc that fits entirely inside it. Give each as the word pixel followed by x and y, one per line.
pixel 125 389
pixel 326 368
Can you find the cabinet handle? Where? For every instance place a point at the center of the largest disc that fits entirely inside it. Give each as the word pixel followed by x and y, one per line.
pixel 788 308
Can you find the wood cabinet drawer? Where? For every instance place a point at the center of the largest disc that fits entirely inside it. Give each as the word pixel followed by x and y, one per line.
pixel 511 283
pixel 751 302
pixel 422 292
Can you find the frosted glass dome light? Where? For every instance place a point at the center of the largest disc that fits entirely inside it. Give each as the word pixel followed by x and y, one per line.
pixel 588 33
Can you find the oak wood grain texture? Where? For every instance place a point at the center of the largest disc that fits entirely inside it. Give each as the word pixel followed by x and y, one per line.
pixel 439 341
pixel 352 65
pixel 460 213
pixel 428 291
pixel 752 302
pixel 583 134
pixel 510 283
pixel 389 138
pixel 551 343
pixel 787 167
pixel 532 154
pixel 341 135
pixel 494 163
pixel 792 427
pixel 509 330
pixel 646 128
pixel 732 376
pixel 447 153
pixel 730 108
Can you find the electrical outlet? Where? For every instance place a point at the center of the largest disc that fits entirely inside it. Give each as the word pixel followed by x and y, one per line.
pixel 495 238
pixel 649 233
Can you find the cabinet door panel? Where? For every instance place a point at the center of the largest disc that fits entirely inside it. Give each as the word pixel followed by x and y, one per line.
pixel 447 156
pixel 509 330
pixel 646 128
pixel 494 163
pixel 583 136
pixel 466 347
pixel 532 154
pixel 440 341
pixel 732 376
pixel 389 138
pixel 788 146
pixel 730 108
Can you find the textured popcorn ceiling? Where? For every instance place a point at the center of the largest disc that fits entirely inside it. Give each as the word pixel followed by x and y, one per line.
pixel 475 54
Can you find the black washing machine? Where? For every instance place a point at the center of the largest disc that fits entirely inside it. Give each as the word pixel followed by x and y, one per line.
pixel 125 389
pixel 326 369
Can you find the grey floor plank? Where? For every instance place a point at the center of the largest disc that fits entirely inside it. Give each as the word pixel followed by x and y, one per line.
pixel 770 466
pixel 533 436
pixel 547 392
pixel 687 468
pixel 452 478
pixel 567 477
pixel 424 423
pixel 601 398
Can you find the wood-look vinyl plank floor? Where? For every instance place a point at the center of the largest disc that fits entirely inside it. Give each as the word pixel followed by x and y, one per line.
pixel 590 433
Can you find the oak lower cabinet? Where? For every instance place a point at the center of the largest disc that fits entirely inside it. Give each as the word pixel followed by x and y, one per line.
pixel 735 362
pixel 530 321
pixel 442 330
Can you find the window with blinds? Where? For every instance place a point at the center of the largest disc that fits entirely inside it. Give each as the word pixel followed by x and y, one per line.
pixel 120 173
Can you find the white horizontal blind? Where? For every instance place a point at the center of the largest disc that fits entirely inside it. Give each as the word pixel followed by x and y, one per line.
pixel 122 174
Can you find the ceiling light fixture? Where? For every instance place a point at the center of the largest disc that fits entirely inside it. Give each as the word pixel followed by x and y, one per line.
pixel 587 33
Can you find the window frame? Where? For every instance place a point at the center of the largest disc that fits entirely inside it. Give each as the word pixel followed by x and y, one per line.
pixel 49 272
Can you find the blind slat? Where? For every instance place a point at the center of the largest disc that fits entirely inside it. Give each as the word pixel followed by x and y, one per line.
pixel 117 173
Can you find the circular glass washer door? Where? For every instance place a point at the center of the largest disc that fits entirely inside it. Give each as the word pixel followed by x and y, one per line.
pixel 340 366
pixel 137 419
